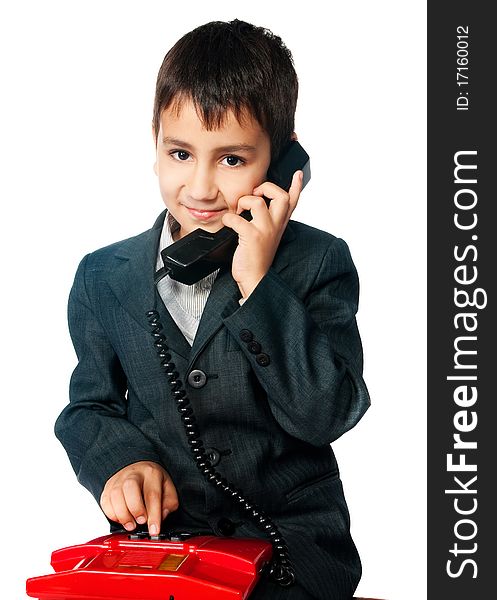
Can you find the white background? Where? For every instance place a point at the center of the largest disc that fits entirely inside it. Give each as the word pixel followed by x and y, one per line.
pixel 77 82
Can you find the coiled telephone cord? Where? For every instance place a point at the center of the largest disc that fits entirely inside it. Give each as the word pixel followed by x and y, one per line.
pixel 281 569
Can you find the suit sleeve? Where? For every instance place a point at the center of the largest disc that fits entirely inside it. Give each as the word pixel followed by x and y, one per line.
pixel 93 427
pixel 311 368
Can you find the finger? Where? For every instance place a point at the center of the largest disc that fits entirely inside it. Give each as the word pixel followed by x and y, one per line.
pixel 121 511
pixel 134 500
pixel 282 203
pixel 256 204
pixel 152 494
pixel 271 190
pixel 239 224
pixel 282 212
pixel 170 501
pixel 280 209
pixel 296 187
pixel 106 506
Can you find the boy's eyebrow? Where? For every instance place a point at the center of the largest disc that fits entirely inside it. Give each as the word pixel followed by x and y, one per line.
pixel 231 148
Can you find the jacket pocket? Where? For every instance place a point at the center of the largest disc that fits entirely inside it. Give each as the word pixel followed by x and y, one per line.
pixel 304 488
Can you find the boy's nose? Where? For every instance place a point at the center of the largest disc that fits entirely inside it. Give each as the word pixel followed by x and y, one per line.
pixel 202 185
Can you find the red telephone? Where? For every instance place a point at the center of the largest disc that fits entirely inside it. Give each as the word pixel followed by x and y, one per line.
pixel 120 566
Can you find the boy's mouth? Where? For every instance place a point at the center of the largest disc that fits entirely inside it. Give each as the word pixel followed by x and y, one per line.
pixel 204 214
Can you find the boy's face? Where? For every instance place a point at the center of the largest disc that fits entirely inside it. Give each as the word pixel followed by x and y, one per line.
pixel 202 174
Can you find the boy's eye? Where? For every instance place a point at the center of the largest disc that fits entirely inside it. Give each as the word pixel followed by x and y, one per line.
pixel 180 155
pixel 234 161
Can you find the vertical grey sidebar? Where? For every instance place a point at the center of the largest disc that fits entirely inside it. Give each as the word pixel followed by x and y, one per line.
pixel 462 267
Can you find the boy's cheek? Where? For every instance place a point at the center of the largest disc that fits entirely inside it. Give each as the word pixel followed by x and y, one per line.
pixel 233 204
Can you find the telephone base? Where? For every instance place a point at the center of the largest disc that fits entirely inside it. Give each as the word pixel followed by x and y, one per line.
pixel 116 567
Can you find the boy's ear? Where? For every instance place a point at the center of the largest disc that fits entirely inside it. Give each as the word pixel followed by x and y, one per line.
pixel 294 137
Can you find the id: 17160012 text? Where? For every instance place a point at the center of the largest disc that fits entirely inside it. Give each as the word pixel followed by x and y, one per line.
pixel 462 73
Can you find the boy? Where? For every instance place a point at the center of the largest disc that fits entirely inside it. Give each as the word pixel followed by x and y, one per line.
pixel 268 350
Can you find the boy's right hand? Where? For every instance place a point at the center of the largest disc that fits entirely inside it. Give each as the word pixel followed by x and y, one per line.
pixel 140 493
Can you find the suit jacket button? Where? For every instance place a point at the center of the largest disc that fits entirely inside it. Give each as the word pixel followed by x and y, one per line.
pixel 254 347
pixel 226 526
pixel 262 359
pixel 213 455
pixel 246 335
pixel 197 378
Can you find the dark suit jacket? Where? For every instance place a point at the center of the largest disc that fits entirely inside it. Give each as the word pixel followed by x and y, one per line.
pixel 270 420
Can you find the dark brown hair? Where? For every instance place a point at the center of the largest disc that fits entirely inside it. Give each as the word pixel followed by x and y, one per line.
pixel 231 65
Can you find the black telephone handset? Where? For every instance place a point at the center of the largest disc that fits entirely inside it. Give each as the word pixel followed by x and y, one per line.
pixel 200 253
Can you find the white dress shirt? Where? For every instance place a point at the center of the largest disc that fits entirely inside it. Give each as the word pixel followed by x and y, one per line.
pixel 185 303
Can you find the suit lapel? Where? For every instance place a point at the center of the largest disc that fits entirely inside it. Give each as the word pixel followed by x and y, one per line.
pixel 132 282
pixel 222 301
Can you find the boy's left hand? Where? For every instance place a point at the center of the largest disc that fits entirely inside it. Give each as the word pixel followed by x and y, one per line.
pixel 259 238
